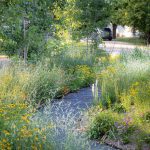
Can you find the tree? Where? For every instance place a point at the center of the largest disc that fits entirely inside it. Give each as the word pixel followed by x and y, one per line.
pixel 137 15
pixel 134 13
pixel 91 15
pixel 116 14
pixel 24 24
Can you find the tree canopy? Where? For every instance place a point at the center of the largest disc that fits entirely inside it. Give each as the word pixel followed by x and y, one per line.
pixel 134 13
pixel 25 23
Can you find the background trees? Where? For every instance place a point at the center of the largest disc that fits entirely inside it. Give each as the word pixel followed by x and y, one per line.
pixel 26 23
pixel 134 13
pixel 137 15
pixel 116 13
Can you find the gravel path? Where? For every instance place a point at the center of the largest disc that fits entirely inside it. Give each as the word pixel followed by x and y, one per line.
pixel 67 114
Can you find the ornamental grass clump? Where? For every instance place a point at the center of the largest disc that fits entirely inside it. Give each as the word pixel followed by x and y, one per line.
pixel 45 84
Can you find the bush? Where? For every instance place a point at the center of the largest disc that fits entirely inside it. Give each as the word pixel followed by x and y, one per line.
pixel 102 125
pixel 119 108
pixel 17 130
pixel 13 80
pixel 82 76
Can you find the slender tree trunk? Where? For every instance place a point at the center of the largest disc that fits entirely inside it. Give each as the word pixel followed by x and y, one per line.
pixel 114 31
pixel 134 31
pixel 25 47
pixel 87 45
pixel 25 54
pixel 148 38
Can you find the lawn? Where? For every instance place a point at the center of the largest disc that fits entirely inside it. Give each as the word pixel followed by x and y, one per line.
pixel 132 40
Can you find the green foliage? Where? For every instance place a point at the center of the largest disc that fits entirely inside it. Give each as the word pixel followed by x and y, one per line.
pixel 102 125
pixel 82 76
pixel 124 84
pixel 119 108
pixel 134 13
pixel 25 23
pixel 44 84
pixel 137 15
pixel 16 128
pixel 24 86
pixel 119 77
pixel 116 12
pixel 146 116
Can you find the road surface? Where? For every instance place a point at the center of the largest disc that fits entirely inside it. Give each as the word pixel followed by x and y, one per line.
pixel 117 47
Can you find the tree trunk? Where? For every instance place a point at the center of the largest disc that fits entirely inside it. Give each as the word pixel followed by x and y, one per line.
pixel 114 31
pixel 25 47
pixel 87 45
pixel 148 38
pixel 25 54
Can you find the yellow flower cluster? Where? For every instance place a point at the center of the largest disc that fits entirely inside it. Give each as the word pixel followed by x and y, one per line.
pixel 25 133
pixel 134 89
pixel 5 145
pixel 11 85
pixel 85 70
pixel 108 72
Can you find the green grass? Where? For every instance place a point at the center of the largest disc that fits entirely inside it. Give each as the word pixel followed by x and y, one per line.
pixel 135 41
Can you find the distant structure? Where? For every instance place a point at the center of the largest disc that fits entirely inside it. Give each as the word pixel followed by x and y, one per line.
pixel 124 31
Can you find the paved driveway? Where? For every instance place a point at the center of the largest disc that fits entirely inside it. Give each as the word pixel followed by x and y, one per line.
pixel 4 61
pixel 117 47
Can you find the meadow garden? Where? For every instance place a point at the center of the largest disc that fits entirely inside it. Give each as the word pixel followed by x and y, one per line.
pixel 46 60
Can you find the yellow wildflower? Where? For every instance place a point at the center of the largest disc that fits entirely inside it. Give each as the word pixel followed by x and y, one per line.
pixel 25 118
pixel 6 132
pixel 12 105
pixel 4 140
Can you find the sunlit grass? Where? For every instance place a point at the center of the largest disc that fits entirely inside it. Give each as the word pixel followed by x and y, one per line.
pixel 125 98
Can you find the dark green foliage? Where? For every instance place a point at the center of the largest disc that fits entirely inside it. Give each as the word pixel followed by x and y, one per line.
pixel 26 24
pixel 102 125
pixel 119 108
pixel 146 139
pixel 146 116
pixel 91 15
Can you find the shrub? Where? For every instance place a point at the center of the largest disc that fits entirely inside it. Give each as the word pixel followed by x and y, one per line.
pixel 119 108
pixel 16 129
pixel 82 75
pixel 102 125
pixel 125 90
